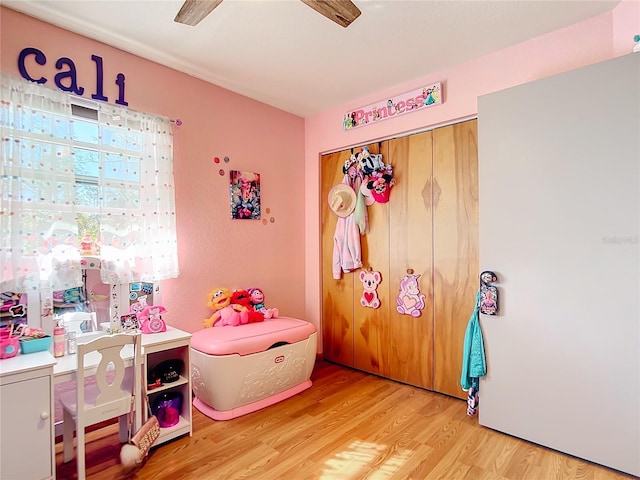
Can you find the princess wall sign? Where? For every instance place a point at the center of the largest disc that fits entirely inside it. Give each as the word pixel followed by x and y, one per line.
pixel 427 96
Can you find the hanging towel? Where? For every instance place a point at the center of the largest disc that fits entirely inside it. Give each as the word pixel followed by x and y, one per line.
pixel 474 364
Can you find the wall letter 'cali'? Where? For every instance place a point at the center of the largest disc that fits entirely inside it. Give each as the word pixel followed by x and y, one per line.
pixel 71 73
pixel 40 60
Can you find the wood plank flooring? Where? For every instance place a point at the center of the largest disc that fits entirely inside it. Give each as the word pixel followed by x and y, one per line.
pixel 347 426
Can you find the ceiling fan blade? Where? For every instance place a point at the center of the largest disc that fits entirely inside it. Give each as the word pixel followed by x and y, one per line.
pixel 343 12
pixel 193 11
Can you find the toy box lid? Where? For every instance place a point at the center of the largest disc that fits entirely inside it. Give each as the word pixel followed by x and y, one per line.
pixel 252 337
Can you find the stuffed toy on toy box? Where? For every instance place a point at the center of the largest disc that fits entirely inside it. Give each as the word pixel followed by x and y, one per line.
pixel 225 313
pixel 241 298
pixel 257 301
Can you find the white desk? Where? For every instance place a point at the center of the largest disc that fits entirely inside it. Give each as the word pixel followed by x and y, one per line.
pixel 27 400
pixel 65 367
pixel 156 347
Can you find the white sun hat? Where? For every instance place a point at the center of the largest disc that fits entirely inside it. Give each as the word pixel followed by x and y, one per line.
pixel 342 200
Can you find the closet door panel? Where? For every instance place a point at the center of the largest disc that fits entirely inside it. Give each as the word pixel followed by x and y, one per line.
pixel 455 248
pixel 371 324
pixel 337 295
pixel 409 339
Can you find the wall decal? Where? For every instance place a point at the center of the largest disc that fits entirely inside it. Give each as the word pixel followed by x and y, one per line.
pixel 410 301
pixel 408 102
pixel 370 281
pixel 67 74
pixel 244 188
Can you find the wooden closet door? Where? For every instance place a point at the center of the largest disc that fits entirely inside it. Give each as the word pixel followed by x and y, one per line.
pixel 371 324
pixel 455 248
pixel 337 295
pixel 410 339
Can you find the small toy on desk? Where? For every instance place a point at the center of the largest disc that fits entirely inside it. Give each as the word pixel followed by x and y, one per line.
pixel 150 319
pixel 257 301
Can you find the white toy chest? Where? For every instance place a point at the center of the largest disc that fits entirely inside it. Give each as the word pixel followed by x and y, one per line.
pixel 238 370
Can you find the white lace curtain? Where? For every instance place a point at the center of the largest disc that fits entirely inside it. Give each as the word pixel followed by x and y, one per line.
pixel 52 160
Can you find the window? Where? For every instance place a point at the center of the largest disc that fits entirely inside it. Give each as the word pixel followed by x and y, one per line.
pixel 80 177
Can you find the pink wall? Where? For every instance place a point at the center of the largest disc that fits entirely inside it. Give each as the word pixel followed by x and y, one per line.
pixel 213 250
pixel 283 257
pixel 591 41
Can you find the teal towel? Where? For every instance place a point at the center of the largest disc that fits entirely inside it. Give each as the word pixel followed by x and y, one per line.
pixel 474 364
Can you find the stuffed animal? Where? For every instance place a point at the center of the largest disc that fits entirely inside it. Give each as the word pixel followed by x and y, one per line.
pixel 257 300
pixel 224 313
pixel 241 298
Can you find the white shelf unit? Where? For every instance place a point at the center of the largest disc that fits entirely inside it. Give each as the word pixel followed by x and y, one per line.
pixel 26 417
pixel 158 347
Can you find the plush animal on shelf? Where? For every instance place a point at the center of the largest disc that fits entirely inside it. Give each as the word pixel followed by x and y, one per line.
pixel 257 301
pixel 224 313
pixel 241 298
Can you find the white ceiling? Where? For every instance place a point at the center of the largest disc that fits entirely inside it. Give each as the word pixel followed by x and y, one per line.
pixel 283 53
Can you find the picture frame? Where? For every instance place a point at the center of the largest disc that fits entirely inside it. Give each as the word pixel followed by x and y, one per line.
pixel 129 323
pixel 244 192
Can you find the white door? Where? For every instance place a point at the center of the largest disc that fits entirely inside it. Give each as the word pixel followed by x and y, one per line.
pixel 559 182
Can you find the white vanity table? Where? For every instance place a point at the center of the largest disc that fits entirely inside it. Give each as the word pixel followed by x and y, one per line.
pixel 27 441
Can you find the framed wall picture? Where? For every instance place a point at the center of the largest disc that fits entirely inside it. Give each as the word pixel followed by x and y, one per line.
pixel 244 189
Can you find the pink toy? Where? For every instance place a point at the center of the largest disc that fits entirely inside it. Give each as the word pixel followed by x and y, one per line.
pixel 225 313
pixel 257 300
pixel 150 319
pixel 410 300
pixel 370 281
pixel 230 316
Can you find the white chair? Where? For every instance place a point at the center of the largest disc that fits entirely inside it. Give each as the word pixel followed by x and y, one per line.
pixel 110 396
pixel 80 322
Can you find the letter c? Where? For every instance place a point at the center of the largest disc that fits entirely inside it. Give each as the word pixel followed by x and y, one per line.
pixel 40 60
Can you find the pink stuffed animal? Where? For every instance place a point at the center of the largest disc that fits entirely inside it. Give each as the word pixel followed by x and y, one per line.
pixel 230 316
pixel 257 300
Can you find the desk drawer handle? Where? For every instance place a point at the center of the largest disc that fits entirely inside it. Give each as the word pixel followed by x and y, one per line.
pixel 44 415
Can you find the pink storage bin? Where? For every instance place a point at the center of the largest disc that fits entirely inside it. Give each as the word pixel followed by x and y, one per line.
pixel 8 346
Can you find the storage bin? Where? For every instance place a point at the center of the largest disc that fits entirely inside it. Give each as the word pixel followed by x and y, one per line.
pixel 167 407
pixel 32 345
pixel 8 347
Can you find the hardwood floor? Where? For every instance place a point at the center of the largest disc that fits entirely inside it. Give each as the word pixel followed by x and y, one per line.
pixel 347 426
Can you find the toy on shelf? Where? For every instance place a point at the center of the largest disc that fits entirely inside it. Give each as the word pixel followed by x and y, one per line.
pixel 224 312
pixel 257 301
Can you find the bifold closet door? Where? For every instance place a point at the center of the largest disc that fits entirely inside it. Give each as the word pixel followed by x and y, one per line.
pixel 455 248
pixel 410 339
pixel 337 295
pixel 371 325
